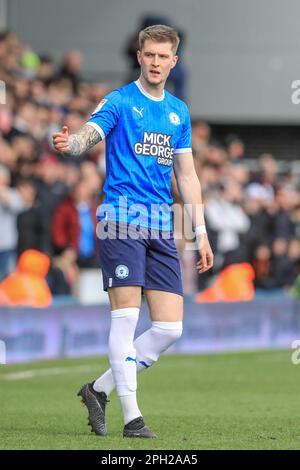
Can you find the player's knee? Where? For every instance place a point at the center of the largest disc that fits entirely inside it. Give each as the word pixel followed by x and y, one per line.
pixel 170 332
pixel 124 297
pixel 174 335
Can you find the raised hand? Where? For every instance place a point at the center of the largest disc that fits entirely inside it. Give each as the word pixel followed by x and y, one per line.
pixel 61 141
pixel 78 143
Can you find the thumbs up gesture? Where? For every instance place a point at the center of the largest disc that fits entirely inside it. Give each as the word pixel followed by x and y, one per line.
pixel 61 141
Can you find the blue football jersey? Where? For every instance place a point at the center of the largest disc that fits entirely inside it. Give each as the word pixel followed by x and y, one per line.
pixel 142 135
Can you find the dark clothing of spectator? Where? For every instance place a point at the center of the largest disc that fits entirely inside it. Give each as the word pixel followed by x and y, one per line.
pixel 283 271
pixel 33 231
pixel 283 226
pixel 263 278
pixel 51 195
pixel 73 77
pixel 57 282
pixel 261 231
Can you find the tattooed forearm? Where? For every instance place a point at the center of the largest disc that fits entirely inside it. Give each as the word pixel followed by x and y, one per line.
pixel 83 140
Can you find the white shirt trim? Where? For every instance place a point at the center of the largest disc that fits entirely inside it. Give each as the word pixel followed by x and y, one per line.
pixel 98 128
pixel 187 150
pixel 145 93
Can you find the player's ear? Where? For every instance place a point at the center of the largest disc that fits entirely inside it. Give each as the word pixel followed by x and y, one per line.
pixel 139 56
pixel 175 60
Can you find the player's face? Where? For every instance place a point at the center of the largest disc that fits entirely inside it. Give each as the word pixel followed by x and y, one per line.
pixel 156 60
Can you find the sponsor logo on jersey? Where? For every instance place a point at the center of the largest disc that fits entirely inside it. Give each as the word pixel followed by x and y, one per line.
pixel 121 271
pixel 174 119
pixel 157 145
pixel 100 105
pixel 139 111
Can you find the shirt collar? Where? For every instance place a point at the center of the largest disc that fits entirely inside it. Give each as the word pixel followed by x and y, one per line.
pixel 145 93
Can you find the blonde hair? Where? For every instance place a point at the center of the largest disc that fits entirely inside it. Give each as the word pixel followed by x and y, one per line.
pixel 159 33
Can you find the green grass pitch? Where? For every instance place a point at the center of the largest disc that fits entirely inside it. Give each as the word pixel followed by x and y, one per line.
pixel 244 400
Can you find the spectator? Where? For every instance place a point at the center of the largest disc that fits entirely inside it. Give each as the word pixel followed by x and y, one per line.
pixel 225 216
pixel 71 68
pixel 50 187
pixel 257 205
pixel 235 148
pixel 268 167
pixel 287 201
pixel 201 135
pixel 62 277
pixel 31 222
pixel 11 204
pixel 74 225
pixel 261 263
pixel 47 69
pixel 90 174
pixel 281 266
pixel 293 253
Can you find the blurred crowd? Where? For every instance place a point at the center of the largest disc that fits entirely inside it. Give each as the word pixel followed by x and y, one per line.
pixel 252 216
pixel 48 202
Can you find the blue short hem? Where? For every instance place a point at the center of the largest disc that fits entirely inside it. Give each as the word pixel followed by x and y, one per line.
pixel 123 284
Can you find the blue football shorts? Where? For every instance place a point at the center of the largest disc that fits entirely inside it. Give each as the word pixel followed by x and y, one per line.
pixel 144 257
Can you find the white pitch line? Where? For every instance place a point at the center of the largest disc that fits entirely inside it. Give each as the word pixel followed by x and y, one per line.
pixel 28 374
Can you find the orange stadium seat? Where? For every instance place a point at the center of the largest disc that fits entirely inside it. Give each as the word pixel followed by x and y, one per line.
pixel 233 284
pixel 27 285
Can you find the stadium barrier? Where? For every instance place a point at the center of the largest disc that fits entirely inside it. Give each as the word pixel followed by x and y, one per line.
pixel 75 331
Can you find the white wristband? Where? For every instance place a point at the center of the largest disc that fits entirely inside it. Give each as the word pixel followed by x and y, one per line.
pixel 200 230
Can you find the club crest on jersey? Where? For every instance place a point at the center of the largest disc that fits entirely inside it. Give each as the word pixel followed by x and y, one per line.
pixel 174 119
pixel 121 271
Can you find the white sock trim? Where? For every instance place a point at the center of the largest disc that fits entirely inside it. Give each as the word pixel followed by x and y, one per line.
pixel 124 312
pixel 168 325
